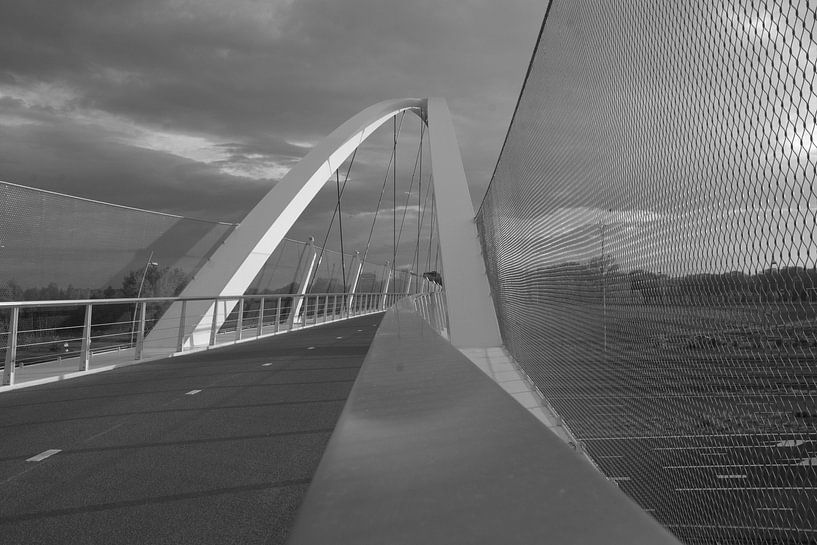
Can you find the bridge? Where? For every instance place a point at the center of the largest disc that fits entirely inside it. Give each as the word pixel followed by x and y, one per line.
pixel 617 346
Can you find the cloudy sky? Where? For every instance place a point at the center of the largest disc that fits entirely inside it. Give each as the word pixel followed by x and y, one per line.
pixel 199 106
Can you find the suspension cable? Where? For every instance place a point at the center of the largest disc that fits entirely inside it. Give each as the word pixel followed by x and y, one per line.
pixel 332 221
pixel 382 192
pixel 431 237
pixel 394 204
pixel 419 196
pixel 408 197
pixel 340 227
pixel 423 209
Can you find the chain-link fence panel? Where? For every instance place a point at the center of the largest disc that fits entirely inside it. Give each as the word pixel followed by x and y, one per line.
pixel 649 234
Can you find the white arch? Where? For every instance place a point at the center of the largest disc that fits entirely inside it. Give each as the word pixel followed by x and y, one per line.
pixel 233 266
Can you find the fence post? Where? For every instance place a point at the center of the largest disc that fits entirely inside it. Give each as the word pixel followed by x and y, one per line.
pixel 214 324
pixel 260 319
pixel 239 321
pixel 85 350
pixel 11 348
pixel 387 275
pixel 140 333
pixel 277 315
pixel 325 308
pixel 180 343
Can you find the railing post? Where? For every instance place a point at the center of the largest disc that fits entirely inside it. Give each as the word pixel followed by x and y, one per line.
pixel 277 315
pixel 239 321
pixel 357 267
pixel 11 348
pixel 306 277
pixel 214 324
pixel 314 308
pixel 260 330
pixel 85 350
pixel 180 343
pixel 298 308
pixel 441 313
pixel 387 275
pixel 140 333
pixel 325 308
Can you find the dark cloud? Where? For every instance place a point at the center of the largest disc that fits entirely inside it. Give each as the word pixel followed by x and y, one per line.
pixel 79 161
pixel 85 84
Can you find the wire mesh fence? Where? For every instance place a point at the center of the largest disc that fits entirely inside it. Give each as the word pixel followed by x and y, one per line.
pixel 649 233
pixel 55 246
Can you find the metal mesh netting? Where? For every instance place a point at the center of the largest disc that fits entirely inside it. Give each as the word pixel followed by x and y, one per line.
pixel 649 234
pixel 55 246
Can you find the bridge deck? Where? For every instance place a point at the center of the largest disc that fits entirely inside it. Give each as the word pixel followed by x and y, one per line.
pixel 213 447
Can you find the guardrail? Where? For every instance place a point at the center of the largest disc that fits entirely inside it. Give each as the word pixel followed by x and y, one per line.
pixel 33 332
pixel 432 307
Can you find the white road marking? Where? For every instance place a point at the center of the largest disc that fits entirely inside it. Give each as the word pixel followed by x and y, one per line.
pixel 192 392
pixel 755 528
pixel 712 447
pixel 43 455
pixel 745 488
pixel 359 330
pixel 684 436
pixel 338 337
pixel 266 365
pixel 790 443
pixel 806 462
pixel 311 348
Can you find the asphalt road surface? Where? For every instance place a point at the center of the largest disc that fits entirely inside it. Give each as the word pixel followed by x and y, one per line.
pixel 214 447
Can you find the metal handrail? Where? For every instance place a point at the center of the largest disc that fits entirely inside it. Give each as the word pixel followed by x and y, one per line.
pixel 133 300
pixel 306 309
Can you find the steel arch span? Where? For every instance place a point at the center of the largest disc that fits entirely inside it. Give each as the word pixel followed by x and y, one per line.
pixel 233 266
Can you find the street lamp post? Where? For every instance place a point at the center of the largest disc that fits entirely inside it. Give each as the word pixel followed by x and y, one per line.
pixel 149 263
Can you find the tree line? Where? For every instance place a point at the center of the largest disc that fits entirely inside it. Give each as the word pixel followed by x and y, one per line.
pixel 602 277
